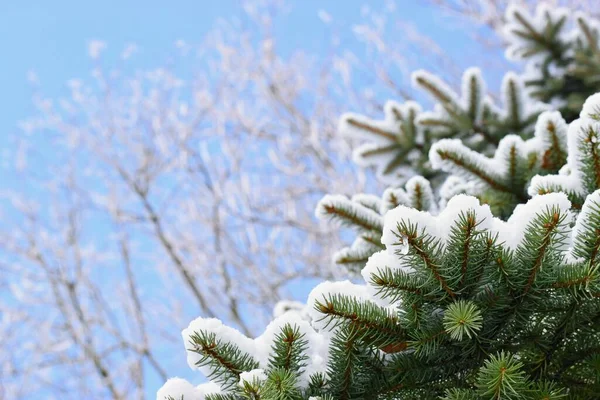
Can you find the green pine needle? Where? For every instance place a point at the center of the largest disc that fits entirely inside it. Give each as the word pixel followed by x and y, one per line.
pixel 462 318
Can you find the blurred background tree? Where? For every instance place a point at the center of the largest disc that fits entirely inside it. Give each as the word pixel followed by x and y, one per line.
pixel 148 196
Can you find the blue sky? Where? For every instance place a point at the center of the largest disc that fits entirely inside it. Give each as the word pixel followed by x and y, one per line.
pixel 50 38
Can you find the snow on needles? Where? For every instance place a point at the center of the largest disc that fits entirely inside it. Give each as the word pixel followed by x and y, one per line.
pixel 517 45
pixel 582 134
pixel 380 261
pixel 261 347
pixel 513 231
pixel 250 377
pixel 591 107
pixel 379 138
pixel 178 388
pixel 222 331
pixel 510 232
pixel 347 210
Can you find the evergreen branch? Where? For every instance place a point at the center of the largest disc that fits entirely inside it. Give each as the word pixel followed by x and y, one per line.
pixel 288 350
pixel 373 238
pixel 354 258
pixel 592 40
pixel 549 227
pixel 469 227
pixel 434 89
pixel 392 282
pixel 350 213
pixel 462 318
pixel 280 384
pixel 586 240
pixel 501 377
pixel 514 106
pixel 592 141
pixel 220 396
pixel 368 321
pixel 372 129
pixel 425 342
pixel 422 248
pixel 225 360
pixel 555 155
pixel 378 150
pixel 479 173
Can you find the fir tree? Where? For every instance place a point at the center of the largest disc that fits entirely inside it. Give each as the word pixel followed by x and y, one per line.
pixel 485 286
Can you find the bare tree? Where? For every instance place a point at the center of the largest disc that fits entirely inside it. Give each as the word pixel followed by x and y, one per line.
pixel 150 197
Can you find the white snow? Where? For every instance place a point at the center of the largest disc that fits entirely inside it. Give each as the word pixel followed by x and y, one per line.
pixel 325 290
pixel 257 375
pixel 368 200
pixel 438 227
pixel 389 124
pixel 359 245
pixel 386 132
pixel 512 231
pixel 176 388
pixel 207 388
pixel 494 167
pixel 317 348
pixel 452 186
pixel 283 306
pixel 381 260
pixel 591 107
pixel 260 348
pixel 223 333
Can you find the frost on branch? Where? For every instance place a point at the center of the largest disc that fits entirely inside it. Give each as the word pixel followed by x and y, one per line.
pixel 473 116
pixel 538 35
pixel 502 181
pixel 561 52
pixel 581 175
pixel 349 212
pixel 391 144
pixel 454 113
pixel 400 147
pixel 364 214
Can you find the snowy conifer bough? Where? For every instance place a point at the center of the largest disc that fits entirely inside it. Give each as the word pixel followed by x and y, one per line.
pixel 461 305
pixel 485 286
pixel 499 152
